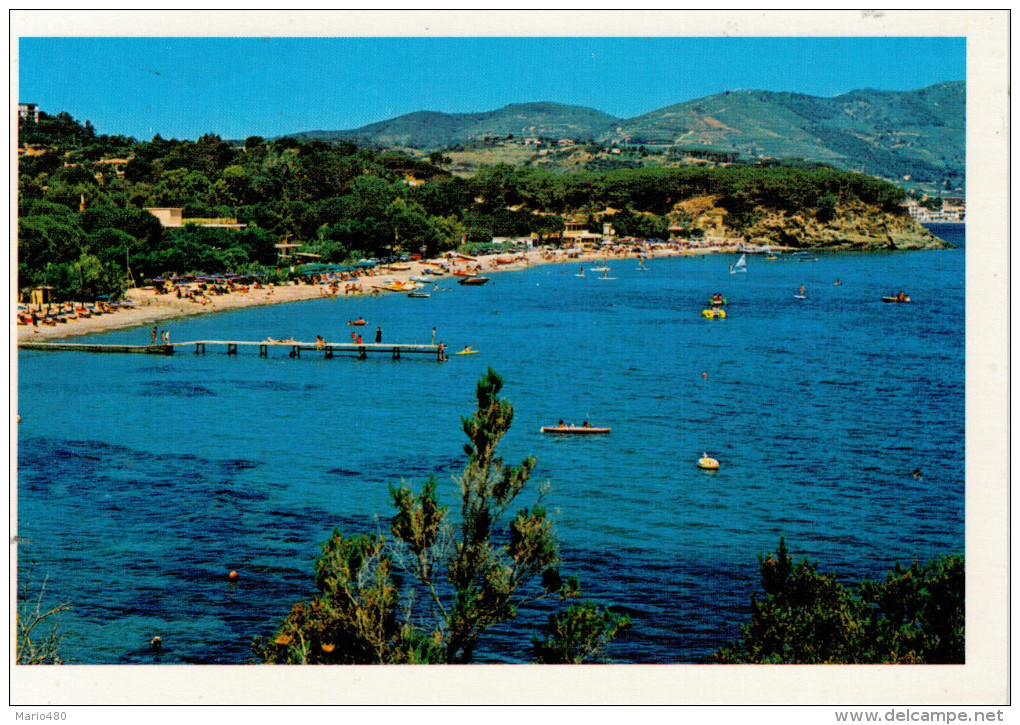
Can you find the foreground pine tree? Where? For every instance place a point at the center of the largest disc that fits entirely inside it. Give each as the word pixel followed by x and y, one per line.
pixel 432 591
pixel 914 616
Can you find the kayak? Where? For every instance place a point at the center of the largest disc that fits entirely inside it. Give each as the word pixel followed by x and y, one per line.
pixel 467 351
pixel 895 299
pixel 573 429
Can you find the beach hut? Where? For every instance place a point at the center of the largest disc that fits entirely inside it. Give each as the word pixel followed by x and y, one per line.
pixel 41 295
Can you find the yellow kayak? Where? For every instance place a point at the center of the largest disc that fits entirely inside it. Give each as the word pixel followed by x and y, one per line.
pixel 467 351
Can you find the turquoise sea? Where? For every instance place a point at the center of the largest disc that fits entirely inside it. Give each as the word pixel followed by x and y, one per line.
pixel 142 481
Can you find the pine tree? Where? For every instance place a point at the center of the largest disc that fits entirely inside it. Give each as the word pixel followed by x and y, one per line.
pixel 463 580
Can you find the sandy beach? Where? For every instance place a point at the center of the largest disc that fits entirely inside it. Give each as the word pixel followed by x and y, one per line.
pixel 152 308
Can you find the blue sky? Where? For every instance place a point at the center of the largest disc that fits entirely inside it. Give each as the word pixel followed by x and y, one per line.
pixel 237 87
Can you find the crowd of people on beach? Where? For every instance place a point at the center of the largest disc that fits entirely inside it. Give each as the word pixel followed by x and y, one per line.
pixel 53 314
pixel 190 294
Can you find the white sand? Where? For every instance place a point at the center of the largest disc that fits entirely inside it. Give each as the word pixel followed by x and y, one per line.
pixel 153 308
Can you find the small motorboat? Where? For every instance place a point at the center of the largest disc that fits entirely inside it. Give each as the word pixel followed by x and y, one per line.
pixel 473 280
pixel 707 463
pixel 418 294
pixel 582 429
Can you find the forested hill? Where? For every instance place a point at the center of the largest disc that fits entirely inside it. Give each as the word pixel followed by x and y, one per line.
pixel 82 198
pixel 919 133
pixel 433 130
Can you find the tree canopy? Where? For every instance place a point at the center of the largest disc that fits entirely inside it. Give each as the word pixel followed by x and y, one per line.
pixel 914 616
pixel 342 201
pixel 430 592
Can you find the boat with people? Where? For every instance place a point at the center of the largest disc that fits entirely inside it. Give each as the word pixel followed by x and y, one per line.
pixel 420 295
pixel 804 257
pixel 358 322
pixel 473 280
pixel 584 428
pixel 717 300
pixel 900 297
pixel 467 351
pixel 713 312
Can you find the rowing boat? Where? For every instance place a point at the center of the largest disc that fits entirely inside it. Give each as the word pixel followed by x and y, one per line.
pixel 573 429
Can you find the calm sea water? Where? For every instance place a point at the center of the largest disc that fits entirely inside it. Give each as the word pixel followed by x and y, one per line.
pixel 144 480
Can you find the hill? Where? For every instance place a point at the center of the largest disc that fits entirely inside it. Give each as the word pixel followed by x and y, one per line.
pixel 430 129
pixel 918 134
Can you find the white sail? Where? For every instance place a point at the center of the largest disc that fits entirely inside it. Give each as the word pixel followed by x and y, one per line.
pixel 740 266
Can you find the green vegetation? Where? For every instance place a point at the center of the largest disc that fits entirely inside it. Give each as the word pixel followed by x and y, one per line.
pixel 919 133
pixel 430 593
pixel 914 616
pixel 83 226
pixel 34 648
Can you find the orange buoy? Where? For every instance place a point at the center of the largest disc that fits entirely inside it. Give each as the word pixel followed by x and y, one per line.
pixel 704 375
pixel 233 575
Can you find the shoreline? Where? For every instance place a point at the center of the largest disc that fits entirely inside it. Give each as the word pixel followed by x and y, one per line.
pixel 152 308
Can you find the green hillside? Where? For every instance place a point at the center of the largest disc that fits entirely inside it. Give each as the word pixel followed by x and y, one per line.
pixel 918 134
pixel 428 129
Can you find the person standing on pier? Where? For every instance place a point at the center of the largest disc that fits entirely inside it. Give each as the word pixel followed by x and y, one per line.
pixel 378 334
pixel 154 331
pixel 433 336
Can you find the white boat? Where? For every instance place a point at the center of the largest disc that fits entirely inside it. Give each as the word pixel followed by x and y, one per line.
pixel 740 266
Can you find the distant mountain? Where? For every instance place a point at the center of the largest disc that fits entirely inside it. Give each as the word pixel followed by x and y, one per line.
pixel 433 130
pixel 891 134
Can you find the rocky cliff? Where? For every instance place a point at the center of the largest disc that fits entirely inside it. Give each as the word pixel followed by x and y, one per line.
pixel 853 227
pixel 857 228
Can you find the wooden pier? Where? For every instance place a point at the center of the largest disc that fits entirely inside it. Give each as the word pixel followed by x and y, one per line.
pixel 293 349
pixel 81 347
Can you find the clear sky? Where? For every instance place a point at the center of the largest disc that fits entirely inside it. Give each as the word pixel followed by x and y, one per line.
pixel 238 87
